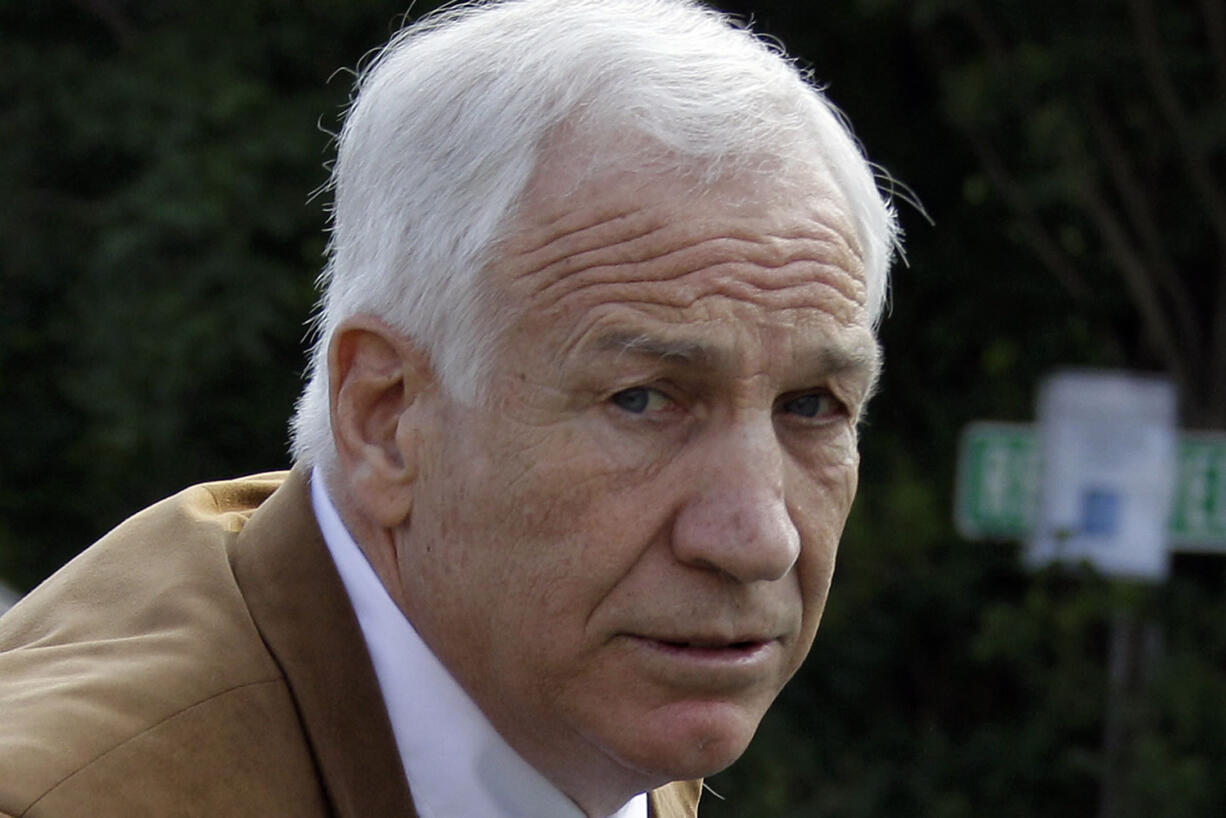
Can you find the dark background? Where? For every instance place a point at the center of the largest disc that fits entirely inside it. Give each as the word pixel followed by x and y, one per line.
pixel 159 242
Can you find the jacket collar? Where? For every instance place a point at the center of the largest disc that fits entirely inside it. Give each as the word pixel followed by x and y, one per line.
pixel 300 608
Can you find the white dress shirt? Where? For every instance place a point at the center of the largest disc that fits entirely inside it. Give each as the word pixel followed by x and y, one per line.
pixel 457 764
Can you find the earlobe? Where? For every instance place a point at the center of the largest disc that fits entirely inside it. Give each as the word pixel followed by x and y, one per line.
pixel 377 377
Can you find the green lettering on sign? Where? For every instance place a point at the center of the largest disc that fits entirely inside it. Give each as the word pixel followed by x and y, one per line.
pixel 998 470
pixel 998 483
pixel 1198 511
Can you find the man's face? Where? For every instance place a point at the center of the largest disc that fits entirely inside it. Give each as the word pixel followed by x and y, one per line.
pixel 623 551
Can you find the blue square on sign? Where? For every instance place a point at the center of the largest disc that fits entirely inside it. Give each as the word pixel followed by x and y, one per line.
pixel 1100 512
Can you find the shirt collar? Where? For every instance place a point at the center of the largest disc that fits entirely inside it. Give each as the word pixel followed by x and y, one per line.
pixel 455 761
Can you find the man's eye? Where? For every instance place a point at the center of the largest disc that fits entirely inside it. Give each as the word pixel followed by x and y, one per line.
pixel 639 400
pixel 813 405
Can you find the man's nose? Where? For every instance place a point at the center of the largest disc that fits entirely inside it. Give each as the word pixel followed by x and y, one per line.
pixel 736 519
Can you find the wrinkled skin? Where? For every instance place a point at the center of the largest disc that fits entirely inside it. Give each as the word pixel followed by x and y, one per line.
pixel 623 550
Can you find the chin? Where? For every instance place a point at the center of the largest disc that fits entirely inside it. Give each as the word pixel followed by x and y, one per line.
pixel 692 740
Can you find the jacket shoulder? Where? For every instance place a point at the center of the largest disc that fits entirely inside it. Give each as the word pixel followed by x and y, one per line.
pixel 136 670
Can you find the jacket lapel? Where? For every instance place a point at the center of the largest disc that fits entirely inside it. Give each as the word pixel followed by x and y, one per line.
pixel 676 800
pixel 302 610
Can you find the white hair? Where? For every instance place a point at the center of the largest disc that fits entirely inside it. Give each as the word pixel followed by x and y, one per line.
pixel 451 119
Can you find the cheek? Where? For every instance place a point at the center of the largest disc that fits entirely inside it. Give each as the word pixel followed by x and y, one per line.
pixel 820 514
pixel 547 518
pixel 825 485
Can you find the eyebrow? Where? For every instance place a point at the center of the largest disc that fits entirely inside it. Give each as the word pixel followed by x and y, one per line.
pixel 648 346
pixel 837 359
pixel 830 359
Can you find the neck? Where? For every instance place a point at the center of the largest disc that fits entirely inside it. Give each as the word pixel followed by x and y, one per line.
pixel 377 544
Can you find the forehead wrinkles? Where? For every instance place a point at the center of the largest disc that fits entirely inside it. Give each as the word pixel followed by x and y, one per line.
pixel 623 251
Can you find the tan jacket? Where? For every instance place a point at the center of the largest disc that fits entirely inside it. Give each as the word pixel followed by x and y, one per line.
pixel 203 660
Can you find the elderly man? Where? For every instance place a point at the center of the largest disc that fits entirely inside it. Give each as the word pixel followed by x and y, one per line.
pixel 570 471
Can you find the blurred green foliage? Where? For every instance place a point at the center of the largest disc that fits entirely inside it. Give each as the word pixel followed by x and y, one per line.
pixel 157 255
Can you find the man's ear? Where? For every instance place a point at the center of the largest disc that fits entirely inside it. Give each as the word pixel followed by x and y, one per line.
pixel 376 378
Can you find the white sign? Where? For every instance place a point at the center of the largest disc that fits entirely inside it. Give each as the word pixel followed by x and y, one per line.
pixel 1107 445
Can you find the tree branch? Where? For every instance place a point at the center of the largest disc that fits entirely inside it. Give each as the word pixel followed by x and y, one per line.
pixel 1214 13
pixel 111 14
pixel 1140 285
pixel 1202 180
pixel 993 44
pixel 1140 215
pixel 1199 171
pixel 1036 234
pixel 1213 413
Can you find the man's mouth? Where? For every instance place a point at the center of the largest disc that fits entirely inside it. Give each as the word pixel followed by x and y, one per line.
pixel 710 665
pixel 710 649
pixel 713 644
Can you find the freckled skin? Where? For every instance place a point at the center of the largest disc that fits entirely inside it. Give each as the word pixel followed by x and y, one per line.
pixel 570 559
